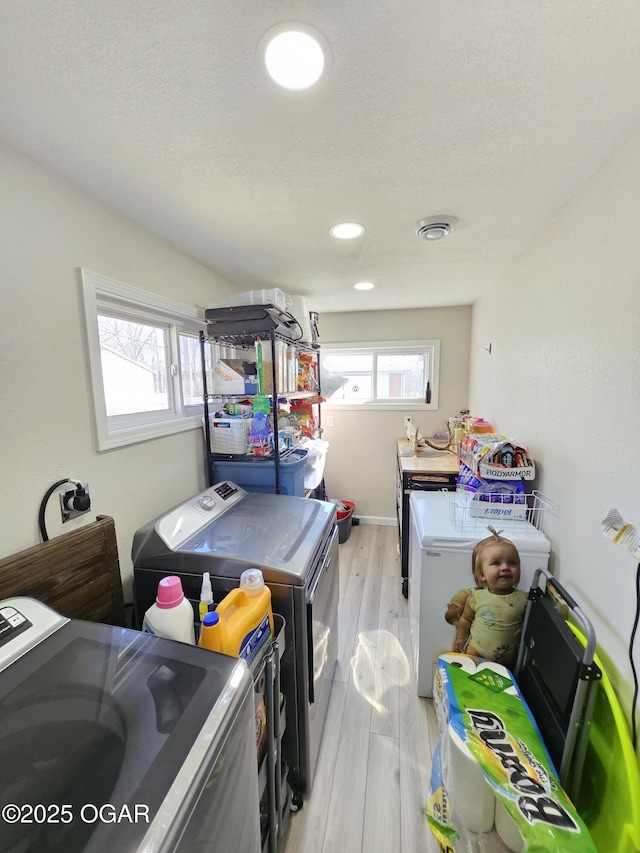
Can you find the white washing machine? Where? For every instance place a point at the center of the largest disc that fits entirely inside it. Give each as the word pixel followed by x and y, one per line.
pixel 440 547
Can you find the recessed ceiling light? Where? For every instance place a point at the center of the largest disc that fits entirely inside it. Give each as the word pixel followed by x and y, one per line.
pixel 295 55
pixel 435 227
pixel 347 230
pixel 364 285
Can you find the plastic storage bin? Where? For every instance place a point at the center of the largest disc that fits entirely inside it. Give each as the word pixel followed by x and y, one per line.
pixel 314 469
pixel 275 296
pixel 260 476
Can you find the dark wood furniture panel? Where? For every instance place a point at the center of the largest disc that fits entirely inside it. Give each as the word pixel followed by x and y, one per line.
pixel 77 574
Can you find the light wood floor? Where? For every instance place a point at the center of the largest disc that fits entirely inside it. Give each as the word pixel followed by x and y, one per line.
pixel 373 772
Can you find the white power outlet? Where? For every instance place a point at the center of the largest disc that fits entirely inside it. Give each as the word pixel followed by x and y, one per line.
pixel 330 421
pixel 407 420
pixel 74 502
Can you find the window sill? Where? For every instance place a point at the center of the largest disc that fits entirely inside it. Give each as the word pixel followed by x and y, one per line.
pixel 374 405
pixel 147 432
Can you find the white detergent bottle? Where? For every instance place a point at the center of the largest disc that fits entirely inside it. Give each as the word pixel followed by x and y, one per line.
pixel 172 615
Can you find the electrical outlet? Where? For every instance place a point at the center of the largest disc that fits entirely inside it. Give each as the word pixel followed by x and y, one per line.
pixel 407 420
pixel 330 421
pixel 74 502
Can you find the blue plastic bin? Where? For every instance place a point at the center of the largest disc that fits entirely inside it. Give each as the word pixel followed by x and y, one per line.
pixel 260 476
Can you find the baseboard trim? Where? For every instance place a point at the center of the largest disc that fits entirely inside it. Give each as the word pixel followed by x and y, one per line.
pixel 374 519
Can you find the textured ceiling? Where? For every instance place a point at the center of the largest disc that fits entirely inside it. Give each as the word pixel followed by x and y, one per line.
pixel 495 111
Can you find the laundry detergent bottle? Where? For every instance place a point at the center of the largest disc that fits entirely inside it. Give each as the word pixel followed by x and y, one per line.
pixel 246 619
pixel 172 615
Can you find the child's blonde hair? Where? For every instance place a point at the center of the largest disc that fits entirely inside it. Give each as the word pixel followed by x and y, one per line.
pixel 482 544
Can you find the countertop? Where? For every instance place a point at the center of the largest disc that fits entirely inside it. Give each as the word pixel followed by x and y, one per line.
pixel 440 464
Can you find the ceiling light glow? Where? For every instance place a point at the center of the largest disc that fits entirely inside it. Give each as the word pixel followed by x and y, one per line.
pixel 347 230
pixel 295 55
pixel 364 285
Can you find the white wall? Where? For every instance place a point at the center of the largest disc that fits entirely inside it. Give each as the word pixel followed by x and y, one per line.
pixel 361 461
pixel 48 230
pixel 563 378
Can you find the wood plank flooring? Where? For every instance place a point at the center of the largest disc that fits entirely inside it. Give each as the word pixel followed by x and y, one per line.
pixel 373 771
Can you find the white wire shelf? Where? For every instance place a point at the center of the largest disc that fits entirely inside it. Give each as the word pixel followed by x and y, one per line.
pixel 512 512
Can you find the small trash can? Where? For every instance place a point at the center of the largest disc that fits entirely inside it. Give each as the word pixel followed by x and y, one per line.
pixel 345 517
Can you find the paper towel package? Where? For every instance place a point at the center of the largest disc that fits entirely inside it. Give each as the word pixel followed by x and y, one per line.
pixel 491 772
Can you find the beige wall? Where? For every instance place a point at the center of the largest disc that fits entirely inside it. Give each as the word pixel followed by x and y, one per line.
pixel 563 378
pixel 361 461
pixel 48 230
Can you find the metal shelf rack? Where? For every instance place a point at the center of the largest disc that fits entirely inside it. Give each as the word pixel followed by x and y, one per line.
pixel 227 334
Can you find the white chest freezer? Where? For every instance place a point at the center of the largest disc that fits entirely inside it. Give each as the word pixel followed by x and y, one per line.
pixel 440 547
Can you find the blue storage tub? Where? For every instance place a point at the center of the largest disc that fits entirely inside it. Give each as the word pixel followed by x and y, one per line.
pixel 259 475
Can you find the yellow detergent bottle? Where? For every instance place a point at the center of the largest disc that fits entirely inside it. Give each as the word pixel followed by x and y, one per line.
pixel 246 619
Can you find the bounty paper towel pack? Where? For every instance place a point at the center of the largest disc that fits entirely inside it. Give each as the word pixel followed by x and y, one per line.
pixel 491 774
pixel 473 803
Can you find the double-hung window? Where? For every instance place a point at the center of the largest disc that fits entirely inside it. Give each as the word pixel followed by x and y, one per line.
pixel 145 362
pixel 384 374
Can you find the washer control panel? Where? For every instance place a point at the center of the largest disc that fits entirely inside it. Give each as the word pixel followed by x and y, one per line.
pixel 24 622
pixel 185 520
pixel 12 623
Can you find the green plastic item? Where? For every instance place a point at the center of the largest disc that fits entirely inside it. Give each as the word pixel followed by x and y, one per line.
pixel 261 403
pixel 259 366
pixel 609 799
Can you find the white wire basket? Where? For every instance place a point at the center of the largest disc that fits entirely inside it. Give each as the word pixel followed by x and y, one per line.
pixel 229 435
pixel 512 512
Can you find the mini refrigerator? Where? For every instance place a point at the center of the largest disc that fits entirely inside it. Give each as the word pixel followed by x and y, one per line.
pixel 441 540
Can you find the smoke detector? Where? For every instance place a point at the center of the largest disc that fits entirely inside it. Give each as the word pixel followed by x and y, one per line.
pixel 435 227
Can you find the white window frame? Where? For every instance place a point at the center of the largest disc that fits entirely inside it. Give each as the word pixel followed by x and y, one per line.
pixel 104 295
pixel 429 347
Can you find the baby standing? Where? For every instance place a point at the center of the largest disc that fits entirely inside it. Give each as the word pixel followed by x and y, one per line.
pixel 491 623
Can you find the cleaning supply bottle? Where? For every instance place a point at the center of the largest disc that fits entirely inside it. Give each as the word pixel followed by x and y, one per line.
pixel 259 434
pixel 479 425
pixel 246 618
pixel 211 632
pixel 172 615
pixel 206 596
